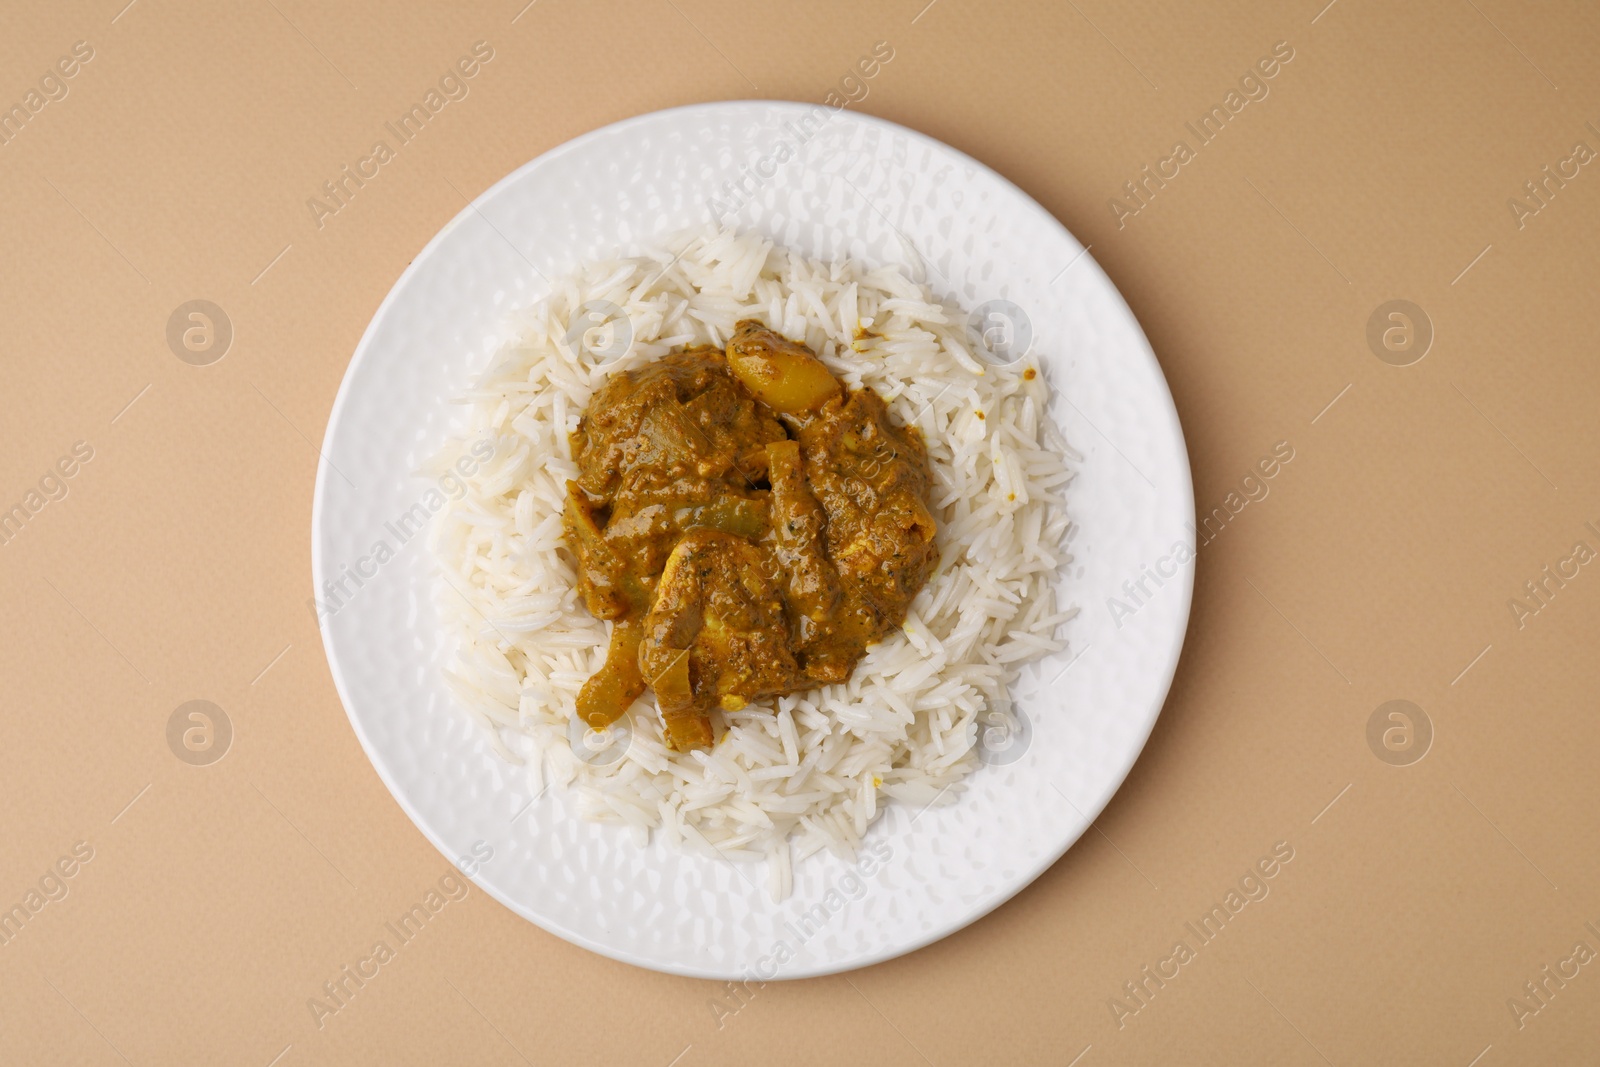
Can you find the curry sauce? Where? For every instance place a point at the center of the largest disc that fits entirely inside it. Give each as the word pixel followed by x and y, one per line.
pixel 748 524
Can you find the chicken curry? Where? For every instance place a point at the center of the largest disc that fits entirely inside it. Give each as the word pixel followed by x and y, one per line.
pixel 748 524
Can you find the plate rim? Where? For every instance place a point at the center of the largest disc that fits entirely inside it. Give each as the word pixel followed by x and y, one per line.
pixel 1012 886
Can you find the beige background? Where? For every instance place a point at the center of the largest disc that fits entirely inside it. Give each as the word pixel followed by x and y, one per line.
pixel 219 898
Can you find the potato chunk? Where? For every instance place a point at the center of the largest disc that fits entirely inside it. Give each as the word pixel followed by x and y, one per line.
pixel 783 375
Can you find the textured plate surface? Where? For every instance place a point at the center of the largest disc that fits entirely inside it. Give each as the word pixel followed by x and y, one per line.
pixel 830 185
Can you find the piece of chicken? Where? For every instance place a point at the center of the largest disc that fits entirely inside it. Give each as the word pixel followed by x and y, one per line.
pixel 716 635
pixel 809 579
pixel 872 480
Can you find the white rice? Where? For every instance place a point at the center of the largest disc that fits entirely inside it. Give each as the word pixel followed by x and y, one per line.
pixel 811 770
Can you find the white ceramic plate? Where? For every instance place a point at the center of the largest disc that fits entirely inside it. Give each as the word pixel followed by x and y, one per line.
pixel 847 186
